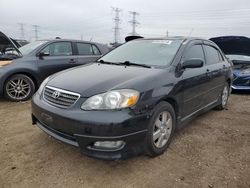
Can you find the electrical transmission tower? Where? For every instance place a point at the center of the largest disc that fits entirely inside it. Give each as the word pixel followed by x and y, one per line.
pixel 22 30
pixel 167 33
pixel 117 21
pixel 36 31
pixel 134 22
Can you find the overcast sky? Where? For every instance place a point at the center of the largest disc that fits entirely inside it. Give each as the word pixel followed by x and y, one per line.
pixel 93 19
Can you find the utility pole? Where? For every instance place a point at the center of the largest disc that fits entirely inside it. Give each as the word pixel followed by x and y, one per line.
pixel 36 31
pixel 167 33
pixel 21 30
pixel 134 22
pixel 117 21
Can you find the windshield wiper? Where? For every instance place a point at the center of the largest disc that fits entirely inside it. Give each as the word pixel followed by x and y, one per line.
pixel 128 63
pixel 105 62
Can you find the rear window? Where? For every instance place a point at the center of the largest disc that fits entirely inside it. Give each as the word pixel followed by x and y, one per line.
pixel 212 55
pixel 87 49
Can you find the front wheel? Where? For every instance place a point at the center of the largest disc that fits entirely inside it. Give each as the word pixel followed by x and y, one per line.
pixel 161 129
pixel 19 87
pixel 223 97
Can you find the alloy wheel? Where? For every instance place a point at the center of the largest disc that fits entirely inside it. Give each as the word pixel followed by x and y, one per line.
pixel 162 129
pixel 224 96
pixel 18 88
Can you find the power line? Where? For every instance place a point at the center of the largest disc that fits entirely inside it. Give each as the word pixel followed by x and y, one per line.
pixel 134 22
pixel 117 21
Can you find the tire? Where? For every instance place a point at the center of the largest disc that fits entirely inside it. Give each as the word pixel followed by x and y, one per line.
pixel 223 98
pixel 19 87
pixel 157 128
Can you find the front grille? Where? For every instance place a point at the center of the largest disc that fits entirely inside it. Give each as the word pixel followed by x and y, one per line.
pixel 59 98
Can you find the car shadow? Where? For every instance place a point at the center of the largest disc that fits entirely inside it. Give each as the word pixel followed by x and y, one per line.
pixel 241 92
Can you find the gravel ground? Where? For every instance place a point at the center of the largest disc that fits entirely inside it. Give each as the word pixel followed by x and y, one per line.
pixel 212 151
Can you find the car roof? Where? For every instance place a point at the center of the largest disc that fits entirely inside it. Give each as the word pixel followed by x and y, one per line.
pixel 184 38
pixel 68 40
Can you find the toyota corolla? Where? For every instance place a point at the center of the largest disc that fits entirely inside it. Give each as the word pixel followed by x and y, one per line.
pixel 133 99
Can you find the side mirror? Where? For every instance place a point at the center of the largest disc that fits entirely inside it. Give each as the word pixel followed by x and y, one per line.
pixel 192 63
pixel 42 54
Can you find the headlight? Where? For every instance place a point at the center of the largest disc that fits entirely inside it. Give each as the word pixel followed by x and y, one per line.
pixel 115 99
pixel 4 63
pixel 245 72
pixel 43 84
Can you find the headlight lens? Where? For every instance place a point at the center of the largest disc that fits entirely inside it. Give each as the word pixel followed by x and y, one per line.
pixel 245 72
pixel 4 63
pixel 116 99
pixel 43 84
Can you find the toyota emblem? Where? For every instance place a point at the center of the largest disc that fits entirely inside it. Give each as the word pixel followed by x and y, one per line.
pixel 56 94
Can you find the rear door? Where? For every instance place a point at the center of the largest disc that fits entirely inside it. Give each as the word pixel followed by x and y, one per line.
pixel 59 57
pixel 215 66
pixel 193 80
pixel 87 52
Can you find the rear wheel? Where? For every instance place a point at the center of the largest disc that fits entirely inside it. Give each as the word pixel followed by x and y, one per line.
pixel 161 129
pixel 19 87
pixel 223 97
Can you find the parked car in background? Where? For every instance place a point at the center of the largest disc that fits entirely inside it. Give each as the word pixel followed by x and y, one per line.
pixel 133 99
pixel 237 49
pixel 8 48
pixel 19 43
pixel 22 75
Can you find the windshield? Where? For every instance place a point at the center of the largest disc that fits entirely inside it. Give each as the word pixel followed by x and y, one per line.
pixel 148 52
pixel 31 46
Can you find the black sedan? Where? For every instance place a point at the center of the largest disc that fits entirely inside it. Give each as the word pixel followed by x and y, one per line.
pixel 22 70
pixel 134 98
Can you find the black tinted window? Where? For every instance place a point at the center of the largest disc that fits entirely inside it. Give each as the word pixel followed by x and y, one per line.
pixel 194 52
pixel 58 49
pixel 212 55
pixel 84 49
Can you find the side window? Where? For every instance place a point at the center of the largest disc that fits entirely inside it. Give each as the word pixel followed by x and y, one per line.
pixel 58 49
pixel 195 51
pixel 96 50
pixel 212 55
pixel 84 49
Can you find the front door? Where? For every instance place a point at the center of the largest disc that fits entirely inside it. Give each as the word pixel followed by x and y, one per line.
pixel 58 56
pixel 193 80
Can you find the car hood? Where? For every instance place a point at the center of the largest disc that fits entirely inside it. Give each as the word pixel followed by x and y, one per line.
pixel 96 78
pixel 233 44
pixel 6 42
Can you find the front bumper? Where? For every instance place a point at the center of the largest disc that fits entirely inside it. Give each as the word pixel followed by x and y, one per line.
pixel 236 87
pixel 241 82
pixel 83 128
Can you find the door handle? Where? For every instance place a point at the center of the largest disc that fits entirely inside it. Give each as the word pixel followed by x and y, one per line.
pixel 208 70
pixel 72 61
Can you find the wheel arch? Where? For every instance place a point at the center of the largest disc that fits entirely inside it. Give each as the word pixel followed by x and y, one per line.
pixel 173 103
